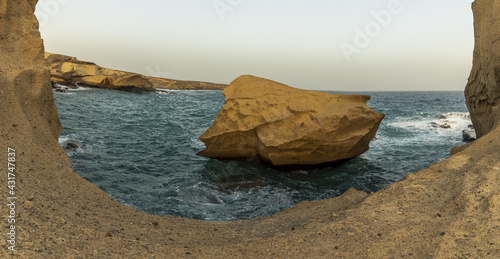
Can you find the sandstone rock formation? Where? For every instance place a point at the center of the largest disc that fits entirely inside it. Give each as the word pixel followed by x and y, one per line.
pixel 71 71
pixel 24 79
pixel 285 126
pixel 449 210
pixel 483 89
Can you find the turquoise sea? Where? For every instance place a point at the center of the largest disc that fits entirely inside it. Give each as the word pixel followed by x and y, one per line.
pixel 140 149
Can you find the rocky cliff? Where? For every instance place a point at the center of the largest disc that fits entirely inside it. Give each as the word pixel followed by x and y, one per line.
pixel 449 210
pixel 286 126
pixel 483 89
pixel 24 79
pixel 70 71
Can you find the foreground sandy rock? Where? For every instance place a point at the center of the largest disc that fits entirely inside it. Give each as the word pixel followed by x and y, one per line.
pixel 449 210
pixel 285 126
pixel 68 70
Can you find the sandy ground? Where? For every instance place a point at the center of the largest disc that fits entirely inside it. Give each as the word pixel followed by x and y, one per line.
pixel 449 210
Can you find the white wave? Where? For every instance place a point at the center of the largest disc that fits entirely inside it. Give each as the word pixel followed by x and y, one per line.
pixel 81 88
pixel 68 89
pixel 63 139
pixel 164 92
pixel 167 90
pixel 454 120
pixel 457 114
pixel 60 86
pixel 198 144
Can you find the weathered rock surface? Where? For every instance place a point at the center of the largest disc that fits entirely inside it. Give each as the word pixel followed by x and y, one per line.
pixel 71 71
pixel 285 126
pixel 24 80
pixel 449 210
pixel 483 89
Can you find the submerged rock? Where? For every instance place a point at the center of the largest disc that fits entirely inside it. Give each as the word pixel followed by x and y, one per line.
pixel 72 145
pixel 445 126
pixel 469 135
pixel 285 126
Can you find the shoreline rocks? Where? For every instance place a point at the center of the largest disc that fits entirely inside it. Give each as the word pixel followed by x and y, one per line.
pixel 469 135
pixel 69 71
pixel 286 126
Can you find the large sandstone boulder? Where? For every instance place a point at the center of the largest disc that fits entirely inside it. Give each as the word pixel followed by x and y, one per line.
pixel 483 89
pixel 448 210
pixel 285 126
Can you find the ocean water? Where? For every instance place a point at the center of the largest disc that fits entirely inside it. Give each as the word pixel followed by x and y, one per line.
pixel 140 149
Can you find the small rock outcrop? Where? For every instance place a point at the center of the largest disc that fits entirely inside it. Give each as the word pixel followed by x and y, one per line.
pixel 285 126
pixel 72 145
pixel 483 89
pixel 448 210
pixel 468 135
pixel 70 71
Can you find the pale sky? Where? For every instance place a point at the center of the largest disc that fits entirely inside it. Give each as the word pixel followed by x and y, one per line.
pixel 355 45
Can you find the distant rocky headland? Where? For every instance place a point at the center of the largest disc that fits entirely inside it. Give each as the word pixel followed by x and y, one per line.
pixel 448 210
pixel 71 72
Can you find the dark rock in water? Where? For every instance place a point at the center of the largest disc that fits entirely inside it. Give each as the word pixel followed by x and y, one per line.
pixel 443 117
pixel 72 145
pixel 445 126
pixel 60 90
pixel 468 135
pixel 471 126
